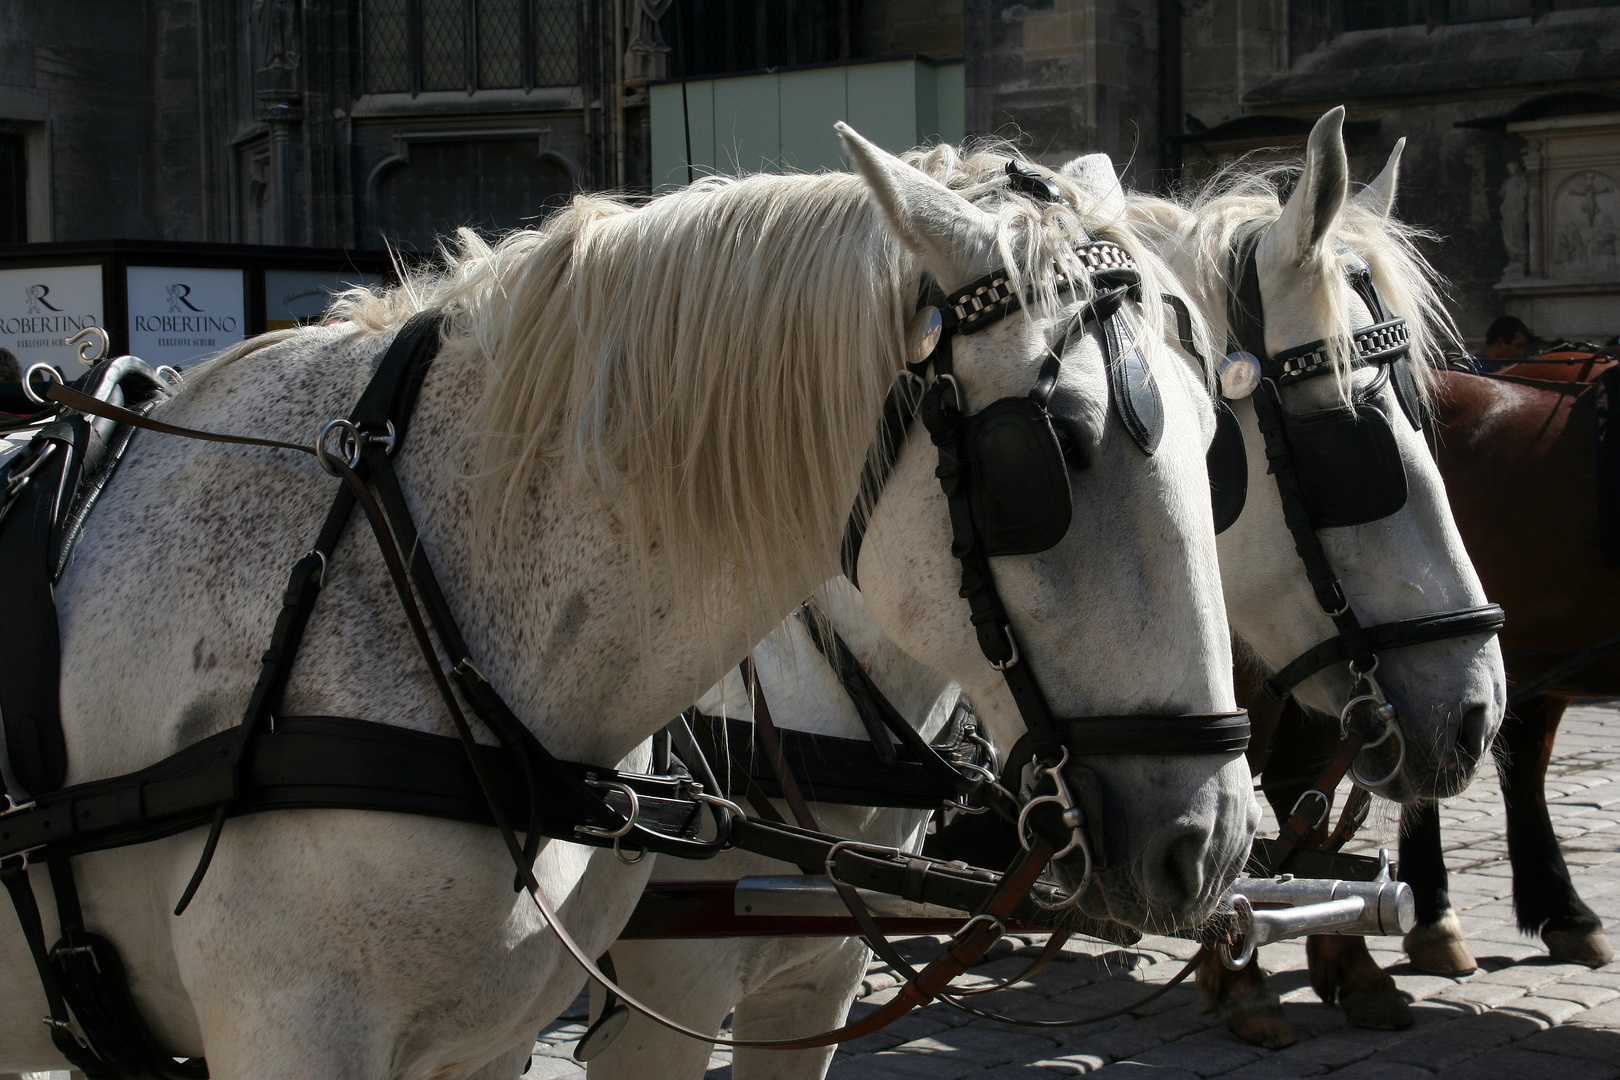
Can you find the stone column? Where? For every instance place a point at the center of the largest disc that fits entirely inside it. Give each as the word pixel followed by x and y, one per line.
pixel 283 110
pixel 978 79
pixel 1535 172
pixel 278 32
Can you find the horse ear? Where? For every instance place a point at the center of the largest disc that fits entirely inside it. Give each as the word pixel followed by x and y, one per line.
pixel 1379 196
pixel 1094 174
pixel 1316 202
pixel 955 239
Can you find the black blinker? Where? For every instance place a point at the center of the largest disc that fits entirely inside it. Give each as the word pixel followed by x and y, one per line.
pixel 1228 464
pixel 1349 465
pixel 1020 497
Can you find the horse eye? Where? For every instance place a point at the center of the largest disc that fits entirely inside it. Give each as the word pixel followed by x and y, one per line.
pixel 1072 443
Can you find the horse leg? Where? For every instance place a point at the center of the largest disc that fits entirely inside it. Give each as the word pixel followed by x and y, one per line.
pixel 1248 1005
pixel 1283 744
pixel 1436 943
pixel 802 1000
pixel 1342 969
pixel 1544 897
pixel 694 982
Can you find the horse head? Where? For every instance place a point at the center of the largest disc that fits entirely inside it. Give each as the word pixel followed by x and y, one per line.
pixel 1330 285
pixel 1099 546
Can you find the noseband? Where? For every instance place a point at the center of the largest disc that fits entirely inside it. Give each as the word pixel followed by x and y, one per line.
pixel 1333 468
pixel 1004 471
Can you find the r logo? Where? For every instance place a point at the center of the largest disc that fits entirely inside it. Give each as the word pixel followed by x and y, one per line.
pixel 177 296
pixel 35 298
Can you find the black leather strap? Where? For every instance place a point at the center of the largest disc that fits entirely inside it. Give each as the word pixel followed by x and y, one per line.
pixel 881 719
pixel 836 770
pixel 899 411
pixel 1485 619
pixel 30 647
pixel 312 762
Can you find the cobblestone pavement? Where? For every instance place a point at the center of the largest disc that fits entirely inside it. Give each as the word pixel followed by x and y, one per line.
pixel 1519 1016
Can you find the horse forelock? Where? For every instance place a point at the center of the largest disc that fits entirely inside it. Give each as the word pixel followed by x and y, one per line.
pixel 1034 236
pixel 1242 199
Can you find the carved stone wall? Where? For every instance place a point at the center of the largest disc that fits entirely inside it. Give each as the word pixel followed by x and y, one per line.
pixel 1567 283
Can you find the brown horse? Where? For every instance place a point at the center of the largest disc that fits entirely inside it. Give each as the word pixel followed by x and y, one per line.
pixel 1517 455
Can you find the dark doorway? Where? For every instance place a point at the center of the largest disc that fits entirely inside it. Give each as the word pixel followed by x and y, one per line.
pixel 13 189
pixel 492 185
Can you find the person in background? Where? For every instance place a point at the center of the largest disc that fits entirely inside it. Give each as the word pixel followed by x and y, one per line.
pixel 1507 340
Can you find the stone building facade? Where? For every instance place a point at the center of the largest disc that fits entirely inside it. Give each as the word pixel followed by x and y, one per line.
pixel 1511 109
pixel 332 123
pixel 345 123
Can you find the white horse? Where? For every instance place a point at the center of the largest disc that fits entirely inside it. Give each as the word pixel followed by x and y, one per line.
pixel 633 456
pixel 1449 695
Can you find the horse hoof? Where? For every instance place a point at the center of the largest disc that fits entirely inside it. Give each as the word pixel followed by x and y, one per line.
pixel 1247 1004
pixel 1260 1024
pixel 1378 1010
pixel 1589 947
pixel 1439 948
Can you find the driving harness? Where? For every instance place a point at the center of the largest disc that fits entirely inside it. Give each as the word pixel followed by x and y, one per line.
pixel 1334 468
pixel 271 761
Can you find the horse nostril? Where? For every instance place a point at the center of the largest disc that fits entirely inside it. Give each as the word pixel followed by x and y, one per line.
pixel 1471 735
pixel 1173 872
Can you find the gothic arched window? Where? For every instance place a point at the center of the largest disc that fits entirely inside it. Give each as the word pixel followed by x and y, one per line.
pixel 417 45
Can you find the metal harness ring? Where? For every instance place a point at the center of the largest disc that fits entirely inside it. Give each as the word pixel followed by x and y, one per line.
pixel 348 445
pixel 1243 922
pixel 629 821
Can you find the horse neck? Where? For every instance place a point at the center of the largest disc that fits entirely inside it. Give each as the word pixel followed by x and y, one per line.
pixel 802 688
pixel 593 655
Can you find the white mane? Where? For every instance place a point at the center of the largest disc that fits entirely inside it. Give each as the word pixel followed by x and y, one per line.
pixel 711 364
pixel 1242 198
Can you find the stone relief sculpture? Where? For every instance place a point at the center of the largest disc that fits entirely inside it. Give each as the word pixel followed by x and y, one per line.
pixel 277 35
pixel 648 54
pixel 1515 238
pixel 1586 225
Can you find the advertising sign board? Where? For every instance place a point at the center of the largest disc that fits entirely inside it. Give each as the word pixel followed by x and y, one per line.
pixel 180 315
pixel 41 306
pixel 298 297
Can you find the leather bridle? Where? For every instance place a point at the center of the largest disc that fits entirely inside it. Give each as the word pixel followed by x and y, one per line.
pixel 1035 763
pixel 1385 344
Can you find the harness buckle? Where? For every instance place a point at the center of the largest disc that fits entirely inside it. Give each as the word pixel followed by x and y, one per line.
pixel 1321 815
pixel 1011 661
pixel 630 819
pixel 22 856
pixel 79 950
pixel 14 807
pixel 62 1025
pixel 16 481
